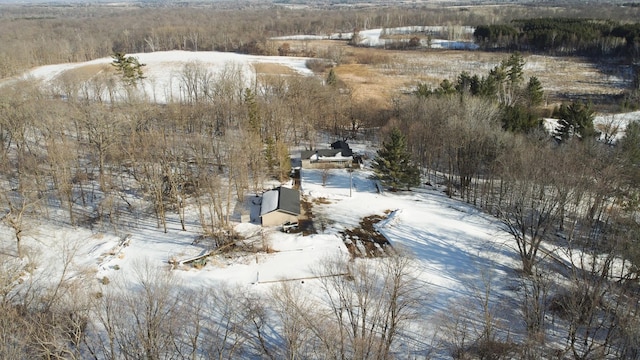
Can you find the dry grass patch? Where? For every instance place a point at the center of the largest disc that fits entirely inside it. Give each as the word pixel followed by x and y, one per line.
pixel 359 72
pixel 379 73
pixel 273 69
pixel 321 200
pixel 86 72
pixel 368 84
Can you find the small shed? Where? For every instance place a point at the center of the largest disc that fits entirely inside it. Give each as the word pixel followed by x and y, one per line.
pixel 279 206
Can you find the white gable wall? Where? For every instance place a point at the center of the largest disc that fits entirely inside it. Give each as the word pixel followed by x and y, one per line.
pixel 277 218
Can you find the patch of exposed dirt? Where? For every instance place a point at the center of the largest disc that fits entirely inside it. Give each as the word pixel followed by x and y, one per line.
pixel 365 240
pixel 321 200
pixel 305 220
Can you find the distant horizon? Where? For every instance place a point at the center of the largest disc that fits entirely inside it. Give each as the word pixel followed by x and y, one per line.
pixel 292 2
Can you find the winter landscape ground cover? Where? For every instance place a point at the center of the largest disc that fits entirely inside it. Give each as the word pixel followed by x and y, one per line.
pixel 451 244
pixel 459 255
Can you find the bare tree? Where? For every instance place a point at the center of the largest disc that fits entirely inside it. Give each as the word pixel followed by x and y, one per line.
pixel 103 128
pixel 325 174
pixel 144 323
pixel 371 306
pixel 455 325
pixel 63 164
pixel 17 204
pixel 596 303
pixel 536 292
pixel 196 83
pixel 46 312
pixel 298 317
pixel 531 209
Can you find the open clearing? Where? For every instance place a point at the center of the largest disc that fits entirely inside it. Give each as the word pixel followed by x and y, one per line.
pixel 375 73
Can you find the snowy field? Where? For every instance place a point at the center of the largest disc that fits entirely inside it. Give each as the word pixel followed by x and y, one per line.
pixel 165 71
pixel 453 244
pixel 455 248
pixel 450 240
pixel 376 37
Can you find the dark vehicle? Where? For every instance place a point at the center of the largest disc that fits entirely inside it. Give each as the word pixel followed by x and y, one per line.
pixel 289 226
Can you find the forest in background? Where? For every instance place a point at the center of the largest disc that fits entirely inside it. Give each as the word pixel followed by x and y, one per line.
pixel 46 34
pixel 480 137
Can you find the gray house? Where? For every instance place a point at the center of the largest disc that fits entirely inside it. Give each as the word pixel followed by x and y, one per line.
pixel 279 206
pixel 340 155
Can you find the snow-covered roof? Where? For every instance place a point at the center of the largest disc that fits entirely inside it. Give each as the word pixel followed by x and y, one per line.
pixel 324 155
pixel 269 201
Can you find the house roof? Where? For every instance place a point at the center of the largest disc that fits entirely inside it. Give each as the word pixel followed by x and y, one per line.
pixel 281 199
pixel 343 146
pixel 309 154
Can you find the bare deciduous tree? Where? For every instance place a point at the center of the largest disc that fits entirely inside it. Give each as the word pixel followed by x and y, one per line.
pixel 370 306
pixel 531 208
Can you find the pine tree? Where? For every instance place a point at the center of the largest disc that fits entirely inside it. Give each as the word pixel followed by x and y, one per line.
pixel 332 79
pixel 393 166
pixel 129 67
pixel 629 145
pixel 252 111
pixel 534 93
pixel 575 118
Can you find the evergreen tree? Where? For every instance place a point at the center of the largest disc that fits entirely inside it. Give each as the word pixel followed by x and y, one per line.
pixel 423 90
pixel 514 67
pixel 129 67
pixel 629 154
pixel 517 118
pixel 467 83
pixel 270 153
pixel 534 93
pixel 629 145
pixel 332 79
pixel 252 111
pixel 393 166
pixel 575 118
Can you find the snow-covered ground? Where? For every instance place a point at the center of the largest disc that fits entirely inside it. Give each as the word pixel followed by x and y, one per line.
pixel 453 243
pixel 611 126
pixel 164 71
pixel 377 37
pixel 455 247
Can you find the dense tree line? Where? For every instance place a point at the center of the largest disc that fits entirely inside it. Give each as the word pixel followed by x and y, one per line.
pixel 216 140
pixel 48 34
pixel 563 36
pixel 571 200
pixel 362 317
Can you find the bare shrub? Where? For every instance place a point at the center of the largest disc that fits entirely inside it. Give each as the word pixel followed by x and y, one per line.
pixel 372 58
pixel 317 65
pixel 297 316
pixel 325 175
